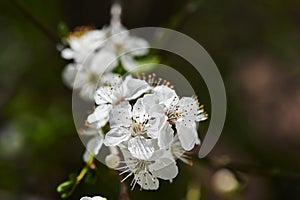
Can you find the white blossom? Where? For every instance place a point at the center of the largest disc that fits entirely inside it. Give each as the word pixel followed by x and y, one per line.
pixel 97 52
pixel 148 122
pixel 107 97
pixel 146 172
pixel 124 46
pixel 184 113
pixel 136 125
pixel 126 128
pixel 89 76
pixel 82 43
pixel 148 109
pixel 93 198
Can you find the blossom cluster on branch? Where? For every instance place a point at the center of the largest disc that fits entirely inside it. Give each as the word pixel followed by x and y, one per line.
pixel 141 119
pixel 98 53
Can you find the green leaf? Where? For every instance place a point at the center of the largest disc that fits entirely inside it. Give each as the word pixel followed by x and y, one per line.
pixel 119 69
pixel 66 188
pixel 63 30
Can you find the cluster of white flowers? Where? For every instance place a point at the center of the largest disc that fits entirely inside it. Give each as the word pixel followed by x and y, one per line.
pixel 150 124
pixel 97 53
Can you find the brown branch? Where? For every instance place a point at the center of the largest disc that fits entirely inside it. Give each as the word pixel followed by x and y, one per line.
pixel 123 190
pixel 52 35
pixel 267 172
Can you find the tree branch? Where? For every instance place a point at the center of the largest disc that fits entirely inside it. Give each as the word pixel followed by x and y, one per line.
pixel 123 190
pixel 268 172
pixel 52 35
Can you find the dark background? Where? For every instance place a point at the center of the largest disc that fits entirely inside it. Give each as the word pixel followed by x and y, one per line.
pixel 255 44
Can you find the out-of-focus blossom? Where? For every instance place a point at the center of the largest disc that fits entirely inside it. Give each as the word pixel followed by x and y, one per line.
pixel 112 161
pixel 94 144
pixel 93 198
pixel 224 181
pixel 271 98
pixel 82 43
pixel 97 52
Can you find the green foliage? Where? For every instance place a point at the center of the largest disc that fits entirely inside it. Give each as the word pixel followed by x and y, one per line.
pixel 119 69
pixel 147 63
pixel 88 174
pixel 63 30
pixel 67 188
pixel 91 176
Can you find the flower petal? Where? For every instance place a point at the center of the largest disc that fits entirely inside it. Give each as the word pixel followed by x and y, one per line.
pixel 187 134
pixel 103 61
pixel 133 88
pixel 141 148
pixel 151 104
pixel 110 79
pixel 147 181
pixel 67 53
pixel 188 107
pixel 121 115
pixel 139 112
pixel 129 63
pixel 164 168
pixel 104 95
pixel 165 137
pixel 69 74
pixel 167 96
pixel 76 44
pixel 93 198
pixel 93 146
pixel 136 46
pixel 100 115
pixel 155 124
pixel 116 135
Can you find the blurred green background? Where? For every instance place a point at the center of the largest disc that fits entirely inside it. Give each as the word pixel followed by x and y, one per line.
pixel 255 44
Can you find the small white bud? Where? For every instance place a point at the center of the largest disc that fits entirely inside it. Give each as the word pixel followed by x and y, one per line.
pixel 112 161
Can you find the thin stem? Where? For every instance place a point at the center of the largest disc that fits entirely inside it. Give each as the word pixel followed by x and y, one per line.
pixel 67 188
pixel 52 35
pixel 268 172
pixel 123 190
pixel 85 169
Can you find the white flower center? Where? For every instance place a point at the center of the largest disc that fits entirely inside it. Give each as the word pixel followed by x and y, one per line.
pixel 137 129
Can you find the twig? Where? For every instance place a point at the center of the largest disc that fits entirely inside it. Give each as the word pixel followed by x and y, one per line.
pixel 185 13
pixel 268 172
pixel 123 190
pixel 52 35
